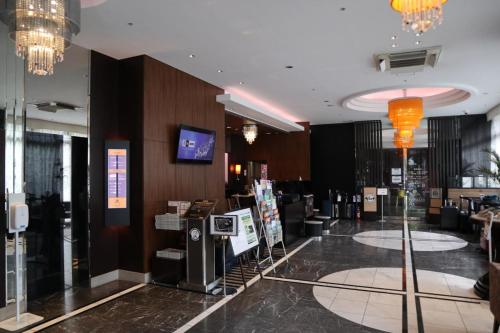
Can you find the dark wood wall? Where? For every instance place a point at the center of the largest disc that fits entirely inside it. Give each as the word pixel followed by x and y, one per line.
pixel 143 100
pixel 287 154
pixel 171 98
pixel 103 125
pixel 332 159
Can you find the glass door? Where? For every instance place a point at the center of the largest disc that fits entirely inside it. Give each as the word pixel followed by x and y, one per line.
pixel 417 183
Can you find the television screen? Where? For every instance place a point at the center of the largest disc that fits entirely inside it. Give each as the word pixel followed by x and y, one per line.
pixel 196 145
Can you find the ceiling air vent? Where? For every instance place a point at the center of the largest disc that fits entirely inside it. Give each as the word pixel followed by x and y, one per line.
pixel 409 61
pixel 56 106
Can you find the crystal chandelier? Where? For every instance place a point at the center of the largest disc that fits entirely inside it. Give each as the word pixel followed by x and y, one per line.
pixel 42 29
pixel 405 115
pixel 419 15
pixel 250 132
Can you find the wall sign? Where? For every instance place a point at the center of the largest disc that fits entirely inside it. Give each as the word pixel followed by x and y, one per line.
pixel 117 178
pixel 396 171
pixel 397 179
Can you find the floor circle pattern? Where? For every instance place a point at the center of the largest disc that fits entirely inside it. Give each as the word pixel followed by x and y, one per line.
pixel 384 311
pixel 421 241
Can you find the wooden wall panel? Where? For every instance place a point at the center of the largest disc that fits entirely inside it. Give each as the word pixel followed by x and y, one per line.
pixel 455 193
pixel 130 119
pixel 143 100
pixel 287 154
pixel 103 125
pixel 171 98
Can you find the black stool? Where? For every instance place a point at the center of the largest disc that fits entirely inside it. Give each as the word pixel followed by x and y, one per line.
pixel 314 229
pixel 326 223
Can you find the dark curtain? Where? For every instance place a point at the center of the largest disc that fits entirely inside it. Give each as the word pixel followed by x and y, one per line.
pixel 43 164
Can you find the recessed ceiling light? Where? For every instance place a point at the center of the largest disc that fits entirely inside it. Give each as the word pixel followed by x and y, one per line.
pixel 220 71
pixel 418 42
pixel 228 127
pixel 394 37
pixel 394 45
pixel 241 82
pixel 288 67
pixel 192 56
pixel 418 34
pixel 268 133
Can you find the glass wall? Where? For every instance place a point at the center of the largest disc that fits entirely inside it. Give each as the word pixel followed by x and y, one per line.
pixel 12 119
pixel 44 143
pixel 56 163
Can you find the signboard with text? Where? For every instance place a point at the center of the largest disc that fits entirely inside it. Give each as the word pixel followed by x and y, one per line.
pixel 117 179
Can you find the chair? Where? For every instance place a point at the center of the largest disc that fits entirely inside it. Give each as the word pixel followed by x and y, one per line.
pixel 449 218
pixel 495 294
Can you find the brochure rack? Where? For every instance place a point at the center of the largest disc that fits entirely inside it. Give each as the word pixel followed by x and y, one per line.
pixel 270 225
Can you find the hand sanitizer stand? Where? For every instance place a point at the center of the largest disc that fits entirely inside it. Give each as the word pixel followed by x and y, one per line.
pixel 18 218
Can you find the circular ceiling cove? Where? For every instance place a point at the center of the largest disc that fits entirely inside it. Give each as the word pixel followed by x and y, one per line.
pixel 434 97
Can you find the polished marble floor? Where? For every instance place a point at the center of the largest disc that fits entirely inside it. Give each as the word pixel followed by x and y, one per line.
pixel 338 284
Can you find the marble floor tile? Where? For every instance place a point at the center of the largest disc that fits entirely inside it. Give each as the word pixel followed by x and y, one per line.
pixel 384 311
pixel 431 304
pixel 442 319
pixel 384 324
pixel 349 306
pixel 379 298
pixel 354 295
pixel 298 306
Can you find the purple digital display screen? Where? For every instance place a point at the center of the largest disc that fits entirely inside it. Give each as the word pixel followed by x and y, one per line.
pixel 195 146
pixel 117 178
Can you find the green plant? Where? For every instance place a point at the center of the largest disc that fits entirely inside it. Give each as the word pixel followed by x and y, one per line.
pixel 495 158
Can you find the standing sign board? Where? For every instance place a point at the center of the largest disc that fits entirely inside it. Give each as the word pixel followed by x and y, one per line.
pixel 247 238
pixel 382 191
pixel 370 199
pixel 117 183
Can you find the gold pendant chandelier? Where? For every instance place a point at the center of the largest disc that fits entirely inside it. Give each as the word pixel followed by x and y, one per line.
pixel 41 29
pixel 405 115
pixel 419 15
pixel 250 132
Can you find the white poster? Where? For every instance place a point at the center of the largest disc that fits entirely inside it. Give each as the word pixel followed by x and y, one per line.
pixel 396 172
pixel 397 180
pixel 247 234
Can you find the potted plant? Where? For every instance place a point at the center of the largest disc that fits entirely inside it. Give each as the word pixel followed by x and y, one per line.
pixel 495 173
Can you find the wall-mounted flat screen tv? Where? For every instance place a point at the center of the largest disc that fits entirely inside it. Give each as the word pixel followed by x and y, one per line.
pixel 196 145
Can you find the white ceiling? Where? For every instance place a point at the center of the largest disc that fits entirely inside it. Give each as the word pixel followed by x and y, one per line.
pixel 331 50
pixel 68 85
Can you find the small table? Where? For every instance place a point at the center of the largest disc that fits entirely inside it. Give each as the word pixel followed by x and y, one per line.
pixel 245 196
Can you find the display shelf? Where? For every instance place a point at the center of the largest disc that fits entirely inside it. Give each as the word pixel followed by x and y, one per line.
pixel 270 229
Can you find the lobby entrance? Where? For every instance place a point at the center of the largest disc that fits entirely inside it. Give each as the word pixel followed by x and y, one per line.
pixel 406 178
